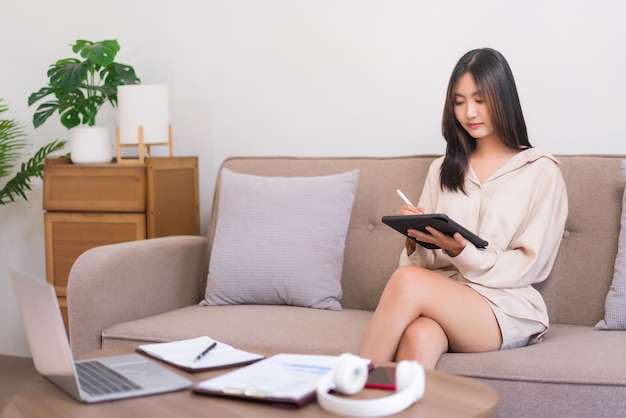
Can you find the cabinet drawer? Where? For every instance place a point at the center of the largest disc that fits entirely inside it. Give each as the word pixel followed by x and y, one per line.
pixel 68 235
pixel 96 188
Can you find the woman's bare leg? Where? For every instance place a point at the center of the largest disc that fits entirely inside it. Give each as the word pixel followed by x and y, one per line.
pixel 423 340
pixel 464 316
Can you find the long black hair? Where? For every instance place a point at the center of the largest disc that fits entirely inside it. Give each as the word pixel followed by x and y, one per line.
pixel 495 82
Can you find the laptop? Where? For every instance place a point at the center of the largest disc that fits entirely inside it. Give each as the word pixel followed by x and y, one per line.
pixel 88 381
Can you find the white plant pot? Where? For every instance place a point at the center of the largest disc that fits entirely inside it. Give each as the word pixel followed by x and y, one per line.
pixel 90 145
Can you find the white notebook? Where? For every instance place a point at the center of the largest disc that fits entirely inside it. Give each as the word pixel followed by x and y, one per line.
pixel 185 353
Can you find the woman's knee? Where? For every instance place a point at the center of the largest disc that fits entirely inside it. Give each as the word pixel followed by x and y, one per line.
pixel 422 339
pixel 423 329
pixel 412 335
pixel 408 281
pixel 405 277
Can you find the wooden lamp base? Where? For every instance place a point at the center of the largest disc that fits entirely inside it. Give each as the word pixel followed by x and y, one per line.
pixel 144 148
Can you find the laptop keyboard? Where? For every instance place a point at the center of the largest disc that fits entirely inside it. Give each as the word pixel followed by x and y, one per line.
pixel 97 379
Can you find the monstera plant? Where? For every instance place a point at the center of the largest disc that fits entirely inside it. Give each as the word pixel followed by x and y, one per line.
pixel 12 141
pixel 78 89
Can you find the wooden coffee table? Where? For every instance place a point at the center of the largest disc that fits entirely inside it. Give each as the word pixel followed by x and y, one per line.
pixel 24 393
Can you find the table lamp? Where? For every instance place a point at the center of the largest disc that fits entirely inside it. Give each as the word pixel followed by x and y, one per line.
pixel 144 120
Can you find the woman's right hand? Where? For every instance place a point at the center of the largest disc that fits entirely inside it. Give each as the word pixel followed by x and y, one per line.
pixel 411 210
pixel 409 244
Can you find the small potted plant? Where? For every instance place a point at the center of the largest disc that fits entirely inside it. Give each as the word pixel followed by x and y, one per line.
pixel 79 89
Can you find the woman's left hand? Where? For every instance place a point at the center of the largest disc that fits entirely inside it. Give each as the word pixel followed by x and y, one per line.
pixel 450 245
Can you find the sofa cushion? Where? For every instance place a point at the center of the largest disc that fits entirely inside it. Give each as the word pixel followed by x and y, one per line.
pixel 280 240
pixel 269 328
pixel 569 354
pixel 615 304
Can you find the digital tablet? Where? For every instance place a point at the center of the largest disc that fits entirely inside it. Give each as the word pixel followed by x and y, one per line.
pixel 439 221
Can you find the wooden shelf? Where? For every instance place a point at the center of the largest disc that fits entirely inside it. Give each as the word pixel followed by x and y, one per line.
pixel 89 205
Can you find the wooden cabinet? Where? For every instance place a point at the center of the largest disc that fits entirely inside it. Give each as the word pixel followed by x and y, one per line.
pixel 88 205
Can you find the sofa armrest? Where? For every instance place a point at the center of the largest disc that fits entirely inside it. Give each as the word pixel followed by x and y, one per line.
pixel 116 283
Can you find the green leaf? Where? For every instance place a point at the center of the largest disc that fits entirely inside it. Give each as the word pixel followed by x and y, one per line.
pixel 120 74
pixel 38 95
pixel 20 183
pixel 101 53
pixel 44 111
pixel 76 108
pixel 68 74
pixel 70 99
pixel 108 90
pixel 11 142
pixel 71 118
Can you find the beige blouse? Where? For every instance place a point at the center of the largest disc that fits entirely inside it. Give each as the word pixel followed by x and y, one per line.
pixel 521 211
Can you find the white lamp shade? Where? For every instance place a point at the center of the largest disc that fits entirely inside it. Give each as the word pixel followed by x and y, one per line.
pixel 144 105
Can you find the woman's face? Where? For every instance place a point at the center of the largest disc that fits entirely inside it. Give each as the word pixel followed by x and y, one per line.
pixel 470 109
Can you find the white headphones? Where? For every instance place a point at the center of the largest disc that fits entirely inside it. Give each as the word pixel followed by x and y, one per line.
pixel 348 377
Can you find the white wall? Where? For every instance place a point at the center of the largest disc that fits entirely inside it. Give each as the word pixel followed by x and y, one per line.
pixel 313 78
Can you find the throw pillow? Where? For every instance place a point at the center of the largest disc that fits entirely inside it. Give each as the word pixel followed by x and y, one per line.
pixel 615 304
pixel 280 240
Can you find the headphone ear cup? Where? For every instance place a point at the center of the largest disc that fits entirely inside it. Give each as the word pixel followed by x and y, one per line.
pixel 350 374
pixel 405 372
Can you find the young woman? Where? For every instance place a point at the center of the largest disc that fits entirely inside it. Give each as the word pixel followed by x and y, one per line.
pixel 492 181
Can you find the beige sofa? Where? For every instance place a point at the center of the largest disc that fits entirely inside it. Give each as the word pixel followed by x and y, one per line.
pixel 148 291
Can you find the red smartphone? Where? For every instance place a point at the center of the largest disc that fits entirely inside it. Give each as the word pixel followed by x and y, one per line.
pixel 382 378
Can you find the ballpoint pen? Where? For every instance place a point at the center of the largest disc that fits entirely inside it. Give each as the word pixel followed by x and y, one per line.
pixel 209 348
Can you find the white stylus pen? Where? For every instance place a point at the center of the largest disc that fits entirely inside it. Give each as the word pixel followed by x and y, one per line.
pixel 406 199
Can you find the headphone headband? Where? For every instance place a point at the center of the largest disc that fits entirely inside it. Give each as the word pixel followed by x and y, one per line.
pixel 349 377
